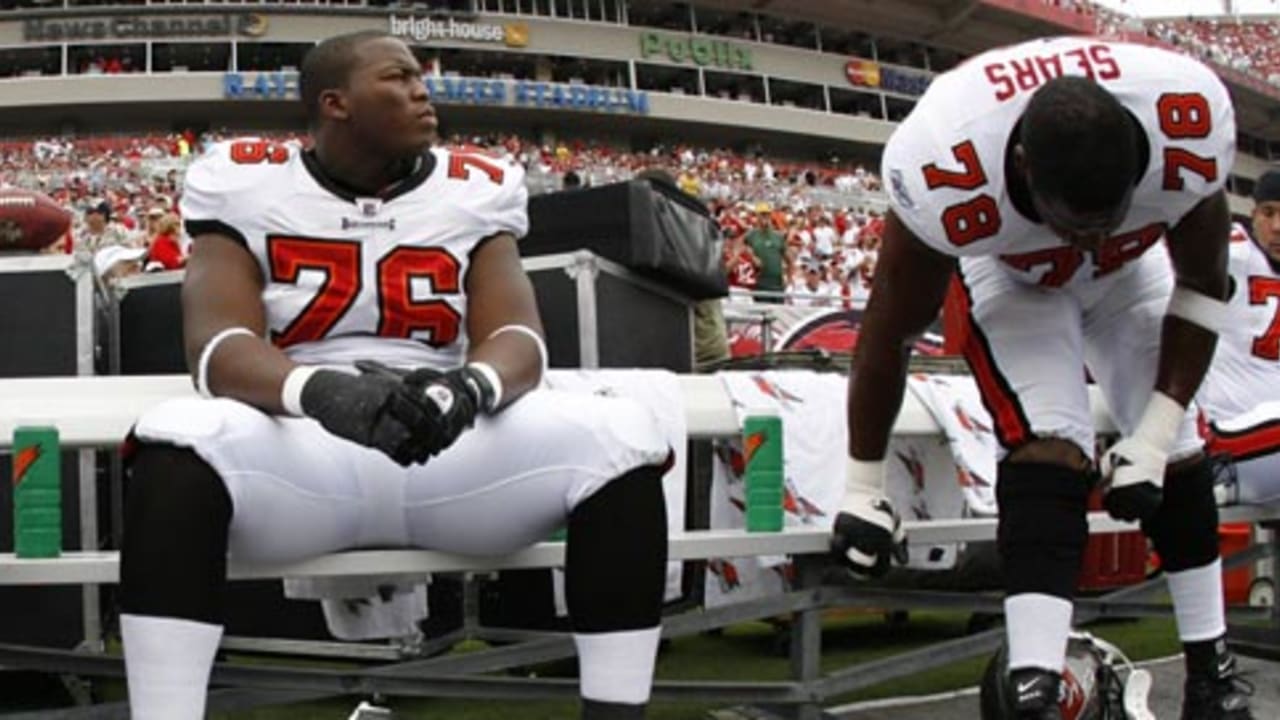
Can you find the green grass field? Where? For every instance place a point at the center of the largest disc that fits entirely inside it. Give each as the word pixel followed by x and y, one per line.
pixel 750 651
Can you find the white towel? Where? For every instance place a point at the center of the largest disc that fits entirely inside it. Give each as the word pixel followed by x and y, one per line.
pixel 927 477
pixel 956 405
pixel 811 406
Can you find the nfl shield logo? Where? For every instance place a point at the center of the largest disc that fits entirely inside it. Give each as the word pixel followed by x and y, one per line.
pixel 369 207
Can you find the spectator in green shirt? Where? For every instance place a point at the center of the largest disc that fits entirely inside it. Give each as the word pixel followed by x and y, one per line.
pixel 771 248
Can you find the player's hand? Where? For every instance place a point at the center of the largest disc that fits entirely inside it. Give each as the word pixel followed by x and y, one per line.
pixel 454 398
pixel 373 410
pixel 868 534
pixel 1133 479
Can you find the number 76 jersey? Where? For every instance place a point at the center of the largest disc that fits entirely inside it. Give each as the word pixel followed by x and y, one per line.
pixel 349 277
pixel 946 165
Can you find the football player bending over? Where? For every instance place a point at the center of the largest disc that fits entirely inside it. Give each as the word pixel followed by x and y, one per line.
pixel 309 264
pixel 1046 173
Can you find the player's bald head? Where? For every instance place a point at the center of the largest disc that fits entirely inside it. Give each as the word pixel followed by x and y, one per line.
pixel 1079 144
pixel 328 66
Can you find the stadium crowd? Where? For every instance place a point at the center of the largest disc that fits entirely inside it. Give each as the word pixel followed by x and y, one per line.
pixel 1251 46
pixel 122 193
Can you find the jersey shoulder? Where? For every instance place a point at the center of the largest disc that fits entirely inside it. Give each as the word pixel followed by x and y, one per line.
pixel 233 173
pixel 480 175
pixel 944 157
pixel 1244 257
pixel 1189 121
pixel 487 187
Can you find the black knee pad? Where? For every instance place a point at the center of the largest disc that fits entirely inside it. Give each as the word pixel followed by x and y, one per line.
pixel 177 514
pixel 1042 529
pixel 616 558
pixel 1185 528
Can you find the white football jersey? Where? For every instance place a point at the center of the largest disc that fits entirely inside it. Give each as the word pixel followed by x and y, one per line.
pixel 351 277
pixel 946 165
pixel 1246 364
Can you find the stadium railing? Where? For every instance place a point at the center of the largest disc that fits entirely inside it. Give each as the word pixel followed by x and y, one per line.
pixel 96 412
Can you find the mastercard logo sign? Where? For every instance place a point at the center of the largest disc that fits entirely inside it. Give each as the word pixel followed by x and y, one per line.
pixel 862 73
pixel 871 74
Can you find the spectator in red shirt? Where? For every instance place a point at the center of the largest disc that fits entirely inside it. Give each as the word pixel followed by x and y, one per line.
pixel 165 252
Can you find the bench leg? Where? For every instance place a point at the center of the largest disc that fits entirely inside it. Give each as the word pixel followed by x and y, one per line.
pixel 1261 641
pixel 806 642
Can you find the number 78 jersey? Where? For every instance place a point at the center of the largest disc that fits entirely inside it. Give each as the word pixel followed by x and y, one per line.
pixel 946 164
pixel 349 277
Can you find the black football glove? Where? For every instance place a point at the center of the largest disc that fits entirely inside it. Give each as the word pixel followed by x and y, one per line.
pixel 455 396
pixel 867 535
pixel 373 410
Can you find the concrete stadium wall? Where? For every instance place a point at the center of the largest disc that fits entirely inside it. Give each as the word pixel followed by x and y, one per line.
pixel 77 93
pixel 545 37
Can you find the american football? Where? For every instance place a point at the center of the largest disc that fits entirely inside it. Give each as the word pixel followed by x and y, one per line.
pixel 30 220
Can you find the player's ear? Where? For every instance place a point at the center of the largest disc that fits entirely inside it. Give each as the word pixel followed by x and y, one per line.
pixel 333 105
pixel 1020 159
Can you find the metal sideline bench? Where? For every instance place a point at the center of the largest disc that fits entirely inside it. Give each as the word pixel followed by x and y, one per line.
pixel 93 412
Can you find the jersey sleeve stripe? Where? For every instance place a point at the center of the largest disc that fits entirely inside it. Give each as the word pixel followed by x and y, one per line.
pixel 1247 443
pixel 196 228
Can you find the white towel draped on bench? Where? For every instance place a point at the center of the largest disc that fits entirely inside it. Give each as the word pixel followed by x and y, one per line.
pixel 937 476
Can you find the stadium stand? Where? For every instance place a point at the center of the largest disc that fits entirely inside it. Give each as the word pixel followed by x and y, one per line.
pixel 1248 44
pixel 137 175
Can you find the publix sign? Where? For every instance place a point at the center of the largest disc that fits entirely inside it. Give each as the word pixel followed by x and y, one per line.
pixel 701 51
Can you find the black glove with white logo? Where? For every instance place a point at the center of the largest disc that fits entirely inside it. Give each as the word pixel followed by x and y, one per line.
pixel 454 397
pixel 867 534
pixel 373 410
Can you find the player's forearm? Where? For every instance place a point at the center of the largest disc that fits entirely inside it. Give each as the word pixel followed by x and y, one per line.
pixel 1186 349
pixel 1197 309
pixel 245 368
pixel 517 359
pixel 875 396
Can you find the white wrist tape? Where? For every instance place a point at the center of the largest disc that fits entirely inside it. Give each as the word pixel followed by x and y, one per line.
pixel 532 334
pixel 291 389
pixel 494 379
pixel 864 476
pixel 1160 422
pixel 1199 309
pixel 202 365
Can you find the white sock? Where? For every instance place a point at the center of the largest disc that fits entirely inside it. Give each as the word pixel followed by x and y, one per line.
pixel 1197 602
pixel 168 662
pixel 1037 627
pixel 617 667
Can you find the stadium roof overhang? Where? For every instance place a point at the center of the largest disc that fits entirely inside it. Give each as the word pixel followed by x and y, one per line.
pixel 967 26
pixel 972 26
